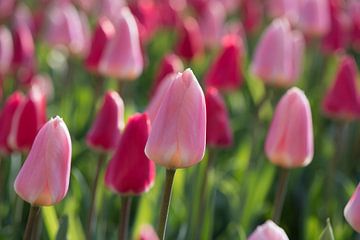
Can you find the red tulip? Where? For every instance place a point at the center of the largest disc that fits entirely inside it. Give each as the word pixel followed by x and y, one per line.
pixel 190 43
pixel 218 130
pixel 105 132
pixel 225 72
pixel 129 171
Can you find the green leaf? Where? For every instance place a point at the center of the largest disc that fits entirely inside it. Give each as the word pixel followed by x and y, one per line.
pixel 63 228
pixel 50 221
pixel 327 233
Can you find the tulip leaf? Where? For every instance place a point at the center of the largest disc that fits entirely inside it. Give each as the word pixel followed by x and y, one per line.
pixel 50 221
pixel 63 228
pixel 327 233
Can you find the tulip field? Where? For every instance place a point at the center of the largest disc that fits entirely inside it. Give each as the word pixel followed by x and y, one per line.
pixel 179 119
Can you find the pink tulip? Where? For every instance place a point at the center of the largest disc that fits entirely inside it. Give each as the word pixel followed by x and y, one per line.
pixel 177 138
pixel 289 142
pixel 44 178
pixel 147 232
pixel 278 56
pixel 104 31
pixel 171 63
pixel 342 100
pixel 6 8
pixel 111 8
pixel 44 83
pixel 66 27
pixel 28 119
pixel 352 209
pixel 129 171
pixel 190 44
pixel 218 130
pixel 225 72
pixel 285 8
pixel 24 49
pixel 269 231
pixel 6 50
pixel 6 118
pixel 122 57
pixel 105 132
pixel 22 16
pixel 314 17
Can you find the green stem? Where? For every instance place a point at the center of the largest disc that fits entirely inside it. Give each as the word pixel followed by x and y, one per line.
pixel 169 179
pixel 202 200
pixel 124 217
pixel 101 160
pixel 32 222
pixel 280 194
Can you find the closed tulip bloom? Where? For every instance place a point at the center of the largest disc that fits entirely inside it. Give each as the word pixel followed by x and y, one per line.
pixel 225 72
pixel 171 63
pixel 23 15
pixel 289 142
pixel 190 43
pixel 130 172
pixel 23 43
pixel 218 130
pixel 122 57
pixel 29 117
pixel 352 209
pixel 314 17
pixel 147 232
pixel 178 134
pixel 6 118
pixel 269 231
pixel 278 55
pixel 104 31
pixel 6 50
pixel 6 8
pixel 43 180
pixel 342 100
pixel 285 8
pixel 252 14
pixel 105 131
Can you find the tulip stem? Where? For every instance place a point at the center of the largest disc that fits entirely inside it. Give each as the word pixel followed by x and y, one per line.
pixel 101 160
pixel 164 211
pixel 124 217
pixel 280 194
pixel 202 200
pixel 32 222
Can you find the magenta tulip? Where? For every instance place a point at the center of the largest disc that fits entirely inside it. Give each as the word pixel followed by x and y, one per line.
pixel 178 134
pixel 289 142
pixel 44 178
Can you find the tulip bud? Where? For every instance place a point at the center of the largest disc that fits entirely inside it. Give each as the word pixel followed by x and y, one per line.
pixel 28 119
pixel 278 55
pixel 252 12
pixel 44 178
pixel 6 8
pixel 23 46
pixel 177 138
pixel 104 31
pixel 289 142
pixel 269 231
pixel 190 44
pixel 105 131
pixel 129 171
pixel 122 57
pixel 23 15
pixel 352 208
pixel 354 14
pixel 6 118
pixel 285 8
pixel 6 50
pixel 342 100
pixel 171 63
pixel 225 72
pixel 314 17
pixel 147 232
pixel 218 130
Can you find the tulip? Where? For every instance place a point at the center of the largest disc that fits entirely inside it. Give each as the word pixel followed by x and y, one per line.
pixel 269 231
pixel 177 138
pixel 225 72
pixel 352 208
pixel 68 28
pixel 314 17
pixel 44 83
pixel 6 118
pixel 278 55
pixel 171 63
pixel 122 57
pixel 218 130
pixel 252 12
pixel 342 100
pixel 27 120
pixel 23 43
pixel 147 232
pixel 190 43
pixel 6 8
pixel 105 131
pixel 111 8
pixel 354 14
pixel 285 8
pixel 6 50
pixel 22 16
pixel 104 31
pixel 289 142
pixel 44 178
